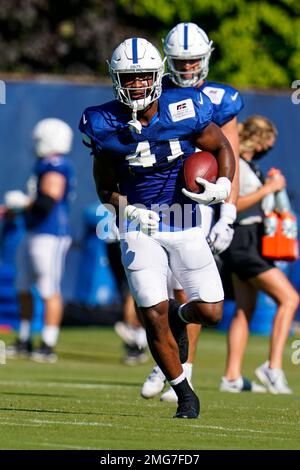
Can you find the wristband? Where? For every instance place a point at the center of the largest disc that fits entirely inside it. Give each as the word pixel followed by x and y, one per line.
pixel 228 212
pixel 226 183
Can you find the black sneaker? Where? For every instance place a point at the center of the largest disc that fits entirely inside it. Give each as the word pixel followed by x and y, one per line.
pixel 45 353
pixel 19 349
pixel 178 328
pixel 134 355
pixel 188 408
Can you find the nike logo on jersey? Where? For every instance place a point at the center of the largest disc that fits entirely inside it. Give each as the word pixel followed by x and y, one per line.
pixel 234 97
pixel 84 120
pixel 200 98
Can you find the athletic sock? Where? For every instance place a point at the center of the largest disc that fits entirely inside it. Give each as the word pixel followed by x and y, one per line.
pixel 24 332
pixel 188 369
pixel 50 335
pixel 181 387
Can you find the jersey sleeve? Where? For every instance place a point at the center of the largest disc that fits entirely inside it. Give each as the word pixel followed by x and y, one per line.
pixel 87 130
pixel 205 111
pixel 230 106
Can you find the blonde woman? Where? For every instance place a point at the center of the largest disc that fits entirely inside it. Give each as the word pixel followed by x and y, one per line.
pixel 251 271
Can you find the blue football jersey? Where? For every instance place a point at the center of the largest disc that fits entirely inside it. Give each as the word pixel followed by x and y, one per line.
pixel 57 221
pixel 148 165
pixel 226 100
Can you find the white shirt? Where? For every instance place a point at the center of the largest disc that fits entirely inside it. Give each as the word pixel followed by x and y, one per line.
pixel 249 183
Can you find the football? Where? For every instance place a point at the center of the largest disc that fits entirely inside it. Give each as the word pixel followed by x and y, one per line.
pixel 202 164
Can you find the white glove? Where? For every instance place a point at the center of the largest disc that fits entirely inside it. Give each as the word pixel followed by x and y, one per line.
pixel 147 220
pixel 16 200
pixel 213 193
pixel 221 233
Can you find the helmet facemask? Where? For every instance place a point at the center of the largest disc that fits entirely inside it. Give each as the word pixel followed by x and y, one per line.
pixel 124 94
pixel 177 76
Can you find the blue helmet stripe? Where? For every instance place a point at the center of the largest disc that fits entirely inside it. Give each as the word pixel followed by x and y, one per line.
pixel 134 51
pixel 185 38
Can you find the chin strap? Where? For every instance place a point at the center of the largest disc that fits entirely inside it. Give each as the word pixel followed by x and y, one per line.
pixel 134 124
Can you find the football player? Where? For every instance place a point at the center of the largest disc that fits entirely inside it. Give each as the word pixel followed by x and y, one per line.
pixel 187 49
pixel 42 251
pixel 137 172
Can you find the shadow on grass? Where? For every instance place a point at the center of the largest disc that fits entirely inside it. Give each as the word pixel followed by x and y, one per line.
pixel 86 357
pixel 91 382
pixel 76 413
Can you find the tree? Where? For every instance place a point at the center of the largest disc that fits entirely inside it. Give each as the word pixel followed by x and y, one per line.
pixel 257 43
pixel 69 36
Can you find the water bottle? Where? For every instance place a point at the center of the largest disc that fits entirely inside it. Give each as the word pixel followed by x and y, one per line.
pixel 268 202
pixel 269 239
pixel 289 225
pixel 270 224
pixel 288 245
pixel 282 202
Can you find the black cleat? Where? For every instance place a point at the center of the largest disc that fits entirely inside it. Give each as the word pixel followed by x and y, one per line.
pixel 45 353
pixel 19 349
pixel 134 355
pixel 188 408
pixel 178 328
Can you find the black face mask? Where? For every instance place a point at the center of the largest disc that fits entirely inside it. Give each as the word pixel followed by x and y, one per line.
pixel 262 153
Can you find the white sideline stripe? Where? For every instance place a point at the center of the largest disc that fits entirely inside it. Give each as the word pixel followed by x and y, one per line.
pixel 249 438
pixel 11 423
pixel 63 385
pixel 66 446
pixel 41 422
pixel 79 423
pixel 222 428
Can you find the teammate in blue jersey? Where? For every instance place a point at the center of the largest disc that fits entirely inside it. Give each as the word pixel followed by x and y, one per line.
pixel 42 251
pixel 137 171
pixel 188 49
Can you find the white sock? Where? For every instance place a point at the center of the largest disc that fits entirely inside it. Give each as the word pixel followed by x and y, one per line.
pixel 50 335
pixel 178 379
pixel 188 369
pixel 24 331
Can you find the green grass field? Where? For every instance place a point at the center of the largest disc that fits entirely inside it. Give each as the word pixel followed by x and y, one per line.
pixel 89 400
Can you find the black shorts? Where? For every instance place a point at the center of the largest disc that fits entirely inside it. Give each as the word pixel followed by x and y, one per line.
pixel 243 257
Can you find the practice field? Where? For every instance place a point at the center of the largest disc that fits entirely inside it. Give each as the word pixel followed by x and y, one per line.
pixel 89 400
